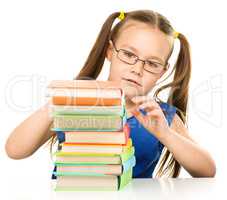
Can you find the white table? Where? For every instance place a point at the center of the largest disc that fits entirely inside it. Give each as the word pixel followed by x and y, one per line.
pixel 190 188
pixel 138 189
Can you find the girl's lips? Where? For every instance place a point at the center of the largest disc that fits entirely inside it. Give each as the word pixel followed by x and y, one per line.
pixel 132 81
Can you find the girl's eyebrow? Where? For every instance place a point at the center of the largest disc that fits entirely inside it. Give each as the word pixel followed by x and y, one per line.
pixel 136 51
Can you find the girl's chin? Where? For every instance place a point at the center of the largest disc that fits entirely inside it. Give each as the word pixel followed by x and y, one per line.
pixel 130 90
pixel 131 93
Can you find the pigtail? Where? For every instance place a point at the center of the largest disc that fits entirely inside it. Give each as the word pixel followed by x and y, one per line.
pixel 178 97
pixel 96 58
pixel 179 92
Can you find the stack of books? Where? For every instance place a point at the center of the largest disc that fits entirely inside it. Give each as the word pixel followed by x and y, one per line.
pixel 95 151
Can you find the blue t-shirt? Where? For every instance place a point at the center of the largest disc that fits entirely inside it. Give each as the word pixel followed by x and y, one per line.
pixel 147 147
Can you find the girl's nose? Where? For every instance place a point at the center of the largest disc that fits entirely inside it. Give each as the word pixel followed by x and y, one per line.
pixel 138 68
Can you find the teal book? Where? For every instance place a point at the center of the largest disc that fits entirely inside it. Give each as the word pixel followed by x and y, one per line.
pixel 81 168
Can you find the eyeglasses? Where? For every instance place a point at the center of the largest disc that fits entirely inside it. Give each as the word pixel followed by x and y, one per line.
pixel 131 59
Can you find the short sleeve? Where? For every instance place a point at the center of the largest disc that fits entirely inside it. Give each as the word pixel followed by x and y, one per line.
pixel 169 111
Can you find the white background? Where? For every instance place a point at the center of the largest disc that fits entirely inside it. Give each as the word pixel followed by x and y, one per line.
pixel 45 40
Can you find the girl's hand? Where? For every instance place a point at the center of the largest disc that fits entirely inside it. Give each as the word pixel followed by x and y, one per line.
pixel 154 121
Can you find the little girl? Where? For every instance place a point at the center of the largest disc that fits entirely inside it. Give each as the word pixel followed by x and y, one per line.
pixel 138 48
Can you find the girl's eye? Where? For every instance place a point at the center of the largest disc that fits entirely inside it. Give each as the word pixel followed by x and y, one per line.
pixel 152 64
pixel 129 54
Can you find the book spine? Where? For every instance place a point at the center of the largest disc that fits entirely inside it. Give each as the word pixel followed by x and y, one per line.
pixel 131 162
pixel 126 155
pixel 88 122
pixel 126 130
pixel 124 179
pixel 85 101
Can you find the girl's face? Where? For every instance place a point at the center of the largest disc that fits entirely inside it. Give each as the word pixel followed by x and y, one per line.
pixel 148 44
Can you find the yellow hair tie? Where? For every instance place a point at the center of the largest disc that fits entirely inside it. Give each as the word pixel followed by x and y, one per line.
pixel 122 15
pixel 175 34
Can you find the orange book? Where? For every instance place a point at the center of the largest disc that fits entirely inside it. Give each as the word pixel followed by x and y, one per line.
pixel 85 92
pixel 96 148
pixel 85 101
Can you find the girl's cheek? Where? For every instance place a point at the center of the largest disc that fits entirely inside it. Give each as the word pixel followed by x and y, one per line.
pixel 119 72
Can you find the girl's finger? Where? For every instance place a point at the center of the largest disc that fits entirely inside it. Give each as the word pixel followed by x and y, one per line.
pixel 151 121
pixel 140 117
pixel 152 118
pixel 154 113
pixel 146 121
pixel 140 99
pixel 149 104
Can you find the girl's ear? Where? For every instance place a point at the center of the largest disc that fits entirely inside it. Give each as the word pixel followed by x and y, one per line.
pixel 109 51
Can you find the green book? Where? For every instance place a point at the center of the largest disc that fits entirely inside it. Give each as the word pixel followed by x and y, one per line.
pixel 88 122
